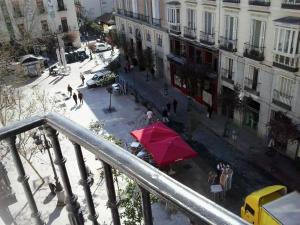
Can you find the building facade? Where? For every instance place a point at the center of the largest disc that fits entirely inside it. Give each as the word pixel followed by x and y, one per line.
pixel 95 8
pixel 38 18
pixel 249 45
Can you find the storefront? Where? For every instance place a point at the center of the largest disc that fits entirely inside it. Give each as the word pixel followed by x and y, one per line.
pixel 251 114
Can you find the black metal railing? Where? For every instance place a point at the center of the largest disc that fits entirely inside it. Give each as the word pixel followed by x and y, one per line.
pixel 120 11
pixel 227 75
pixel 156 22
pixel 207 38
pixel 290 4
pixel 143 17
pixel 175 28
pixel 148 178
pixel 254 52
pixel 128 13
pixel 227 44
pixel 232 1
pixel 287 63
pixel 260 2
pixel 281 99
pixel 190 32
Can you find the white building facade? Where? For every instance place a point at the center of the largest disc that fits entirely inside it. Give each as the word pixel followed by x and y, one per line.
pixel 95 8
pixel 38 18
pixel 252 45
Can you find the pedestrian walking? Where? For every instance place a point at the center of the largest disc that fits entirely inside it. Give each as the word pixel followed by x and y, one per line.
pixel 75 98
pixel 82 79
pixel 169 107
pixel 149 116
pixel 165 118
pixel 209 111
pixel 80 97
pixel 70 90
pixel 175 103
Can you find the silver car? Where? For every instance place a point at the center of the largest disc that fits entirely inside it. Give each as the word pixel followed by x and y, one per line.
pixel 94 81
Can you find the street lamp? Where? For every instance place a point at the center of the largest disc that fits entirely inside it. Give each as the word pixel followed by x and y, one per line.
pixel 43 144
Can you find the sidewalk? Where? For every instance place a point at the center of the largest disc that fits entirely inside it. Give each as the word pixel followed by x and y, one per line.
pixel 251 147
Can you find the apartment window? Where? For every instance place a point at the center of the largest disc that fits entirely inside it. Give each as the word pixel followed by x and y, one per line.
pixel 130 29
pixel 173 15
pixel 208 22
pixel 45 27
pixel 148 36
pixel 191 18
pixel 159 40
pixel 229 67
pixel 285 86
pixel 231 24
pixel 16 8
pixel 128 5
pixel 257 33
pixel 123 27
pixel 21 28
pixel 252 77
pixel 64 24
pixel 40 6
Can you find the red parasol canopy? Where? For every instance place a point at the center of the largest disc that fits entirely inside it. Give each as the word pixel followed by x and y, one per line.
pixel 164 144
pixel 152 133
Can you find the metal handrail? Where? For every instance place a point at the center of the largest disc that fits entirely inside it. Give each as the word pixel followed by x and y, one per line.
pixel 148 177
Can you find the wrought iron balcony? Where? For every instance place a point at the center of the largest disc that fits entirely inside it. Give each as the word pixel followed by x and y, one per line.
pixel 148 178
pixel 260 2
pixel 251 86
pixel 290 64
pixel 232 1
pixel 254 52
pixel 143 18
pixel 120 11
pixel 283 100
pixel 156 22
pixel 175 29
pixel 207 38
pixel 290 4
pixel 227 75
pixel 128 13
pixel 227 44
pixel 190 32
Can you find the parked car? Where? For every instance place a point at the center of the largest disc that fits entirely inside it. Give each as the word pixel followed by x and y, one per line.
pixel 94 81
pixel 101 47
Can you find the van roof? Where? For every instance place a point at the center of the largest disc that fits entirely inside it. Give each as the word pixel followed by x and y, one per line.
pixel 255 197
pixel 285 209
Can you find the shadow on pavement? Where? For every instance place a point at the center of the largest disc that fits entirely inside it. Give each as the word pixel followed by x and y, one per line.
pixel 48 198
pixel 55 214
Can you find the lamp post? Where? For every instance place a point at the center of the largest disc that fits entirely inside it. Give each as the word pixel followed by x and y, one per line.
pixel 43 144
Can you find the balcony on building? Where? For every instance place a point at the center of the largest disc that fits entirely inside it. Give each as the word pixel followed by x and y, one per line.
pixel 61 5
pixel 120 11
pixel 227 44
pixel 291 4
pixel 143 17
pixel 260 2
pixel 251 86
pixel 207 38
pixel 283 100
pixel 286 46
pixel 128 13
pixel 156 22
pixel 175 28
pixel 254 52
pixel 149 179
pixel 232 1
pixel 190 32
pixel 227 75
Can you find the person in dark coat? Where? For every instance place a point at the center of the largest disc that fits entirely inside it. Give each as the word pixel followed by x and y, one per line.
pixel 70 90
pixel 75 98
pixel 165 118
pixel 175 103
pixel 82 78
pixel 169 107
pixel 80 97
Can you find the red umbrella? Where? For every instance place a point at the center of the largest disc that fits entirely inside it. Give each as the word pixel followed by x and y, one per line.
pixel 152 133
pixel 170 150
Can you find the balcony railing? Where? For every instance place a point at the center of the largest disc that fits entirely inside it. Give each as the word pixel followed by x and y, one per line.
pixel 190 32
pixel 251 87
pixel 254 52
pixel 290 4
pixel 120 11
pixel 227 44
pixel 148 178
pixel 260 2
pixel 227 75
pixel 175 28
pixel 128 13
pixel 156 22
pixel 232 1
pixel 207 38
pixel 290 64
pixel 143 18
pixel 283 100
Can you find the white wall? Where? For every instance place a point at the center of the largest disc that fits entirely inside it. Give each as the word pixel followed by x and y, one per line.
pixel 96 8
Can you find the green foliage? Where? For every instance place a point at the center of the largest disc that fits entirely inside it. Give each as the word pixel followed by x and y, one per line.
pixel 114 66
pixel 92 28
pixel 107 80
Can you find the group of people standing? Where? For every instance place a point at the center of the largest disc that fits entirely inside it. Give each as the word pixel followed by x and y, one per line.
pixel 76 97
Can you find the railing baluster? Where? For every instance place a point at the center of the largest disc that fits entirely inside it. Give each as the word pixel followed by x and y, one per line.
pixel 73 207
pixel 23 178
pixel 85 183
pixel 112 203
pixel 146 203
